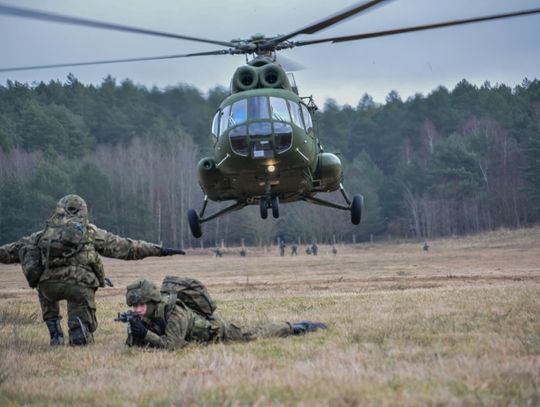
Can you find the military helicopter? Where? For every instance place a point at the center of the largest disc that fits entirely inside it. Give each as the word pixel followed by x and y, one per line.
pixel 266 149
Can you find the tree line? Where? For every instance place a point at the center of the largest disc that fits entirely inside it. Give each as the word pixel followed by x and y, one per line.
pixel 453 162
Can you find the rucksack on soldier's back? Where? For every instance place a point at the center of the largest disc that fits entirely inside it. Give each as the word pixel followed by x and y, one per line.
pixel 63 237
pixel 191 293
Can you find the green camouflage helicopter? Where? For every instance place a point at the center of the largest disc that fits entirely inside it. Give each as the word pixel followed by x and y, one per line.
pixel 266 149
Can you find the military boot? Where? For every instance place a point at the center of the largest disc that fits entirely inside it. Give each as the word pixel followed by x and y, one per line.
pixel 55 330
pixel 78 332
pixel 303 327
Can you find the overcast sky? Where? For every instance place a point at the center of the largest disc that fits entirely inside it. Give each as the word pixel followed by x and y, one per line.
pixel 504 51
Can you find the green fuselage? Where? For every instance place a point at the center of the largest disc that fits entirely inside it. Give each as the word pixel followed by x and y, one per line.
pixel 265 145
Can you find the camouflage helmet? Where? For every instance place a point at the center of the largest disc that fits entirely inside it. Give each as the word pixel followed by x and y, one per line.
pixel 72 205
pixel 142 291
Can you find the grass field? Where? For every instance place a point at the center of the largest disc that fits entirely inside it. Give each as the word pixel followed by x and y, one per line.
pixel 458 325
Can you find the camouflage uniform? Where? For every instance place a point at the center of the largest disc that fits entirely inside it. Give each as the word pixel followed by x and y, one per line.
pixel 76 278
pixel 175 326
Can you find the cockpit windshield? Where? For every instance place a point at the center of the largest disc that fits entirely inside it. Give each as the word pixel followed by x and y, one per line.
pixel 261 126
pixel 258 107
pixel 279 109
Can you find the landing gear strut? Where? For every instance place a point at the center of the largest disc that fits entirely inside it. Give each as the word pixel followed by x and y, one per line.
pixel 354 206
pixel 197 219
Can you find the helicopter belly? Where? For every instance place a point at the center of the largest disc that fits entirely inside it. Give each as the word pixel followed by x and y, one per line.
pixel 221 184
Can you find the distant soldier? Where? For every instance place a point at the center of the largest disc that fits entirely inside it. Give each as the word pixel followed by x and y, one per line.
pixel 218 253
pixel 282 248
pixel 334 250
pixel 308 250
pixel 426 247
pixel 294 250
pixel 63 262
pixel 243 252
pixel 162 323
pixel 314 249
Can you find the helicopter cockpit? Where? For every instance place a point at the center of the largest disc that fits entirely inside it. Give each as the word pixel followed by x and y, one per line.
pixel 261 126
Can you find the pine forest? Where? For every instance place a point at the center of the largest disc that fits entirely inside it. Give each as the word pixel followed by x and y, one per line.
pixel 453 162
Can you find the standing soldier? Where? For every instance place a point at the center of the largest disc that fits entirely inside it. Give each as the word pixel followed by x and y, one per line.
pixel 334 250
pixel 163 323
pixel 293 250
pixel 314 249
pixel 426 247
pixel 63 262
pixel 282 248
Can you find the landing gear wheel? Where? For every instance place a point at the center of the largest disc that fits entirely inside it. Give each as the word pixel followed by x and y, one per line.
pixel 275 207
pixel 263 205
pixel 356 209
pixel 194 223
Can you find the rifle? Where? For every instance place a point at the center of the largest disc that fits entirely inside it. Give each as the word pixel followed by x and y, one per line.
pixel 127 317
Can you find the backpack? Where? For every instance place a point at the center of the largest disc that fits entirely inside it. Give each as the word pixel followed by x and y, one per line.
pixel 63 237
pixel 192 293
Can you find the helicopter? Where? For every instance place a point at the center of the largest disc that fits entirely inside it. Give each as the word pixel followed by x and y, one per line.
pixel 266 149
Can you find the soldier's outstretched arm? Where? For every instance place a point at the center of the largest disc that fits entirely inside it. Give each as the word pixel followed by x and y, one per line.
pixel 110 245
pixel 9 253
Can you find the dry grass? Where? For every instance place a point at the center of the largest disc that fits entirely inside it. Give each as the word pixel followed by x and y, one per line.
pixel 458 325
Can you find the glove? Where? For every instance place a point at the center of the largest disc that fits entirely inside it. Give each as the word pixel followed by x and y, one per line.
pixel 303 327
pixel 108 282
pixel 138 330
pixel 165 251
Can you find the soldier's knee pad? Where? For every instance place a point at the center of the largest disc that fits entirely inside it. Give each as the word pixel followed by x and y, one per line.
pixel 79 335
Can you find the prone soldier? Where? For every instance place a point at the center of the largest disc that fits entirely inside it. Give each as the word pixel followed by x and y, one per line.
pixel 171 324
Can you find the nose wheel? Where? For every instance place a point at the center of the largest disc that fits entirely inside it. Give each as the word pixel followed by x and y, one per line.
pixel 273 202
pixel 263 206
pixel 275 207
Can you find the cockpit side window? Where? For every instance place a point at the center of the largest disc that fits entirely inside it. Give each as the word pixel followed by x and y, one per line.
pixel 279 109
pixel 238 113
pixel 307 119
pixel 295 113
pixel 258 108
pixel 224 119
pixel 215 125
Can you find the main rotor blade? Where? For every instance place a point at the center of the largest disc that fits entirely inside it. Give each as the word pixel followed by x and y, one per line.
pixel 330 20
pixel 416 28
pixel 58 18
pixel 113 61
pixel 290 65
